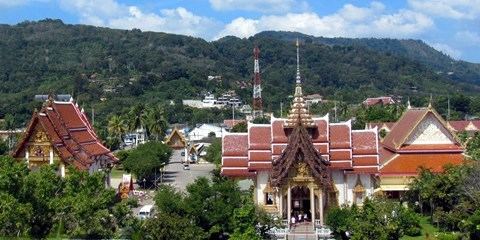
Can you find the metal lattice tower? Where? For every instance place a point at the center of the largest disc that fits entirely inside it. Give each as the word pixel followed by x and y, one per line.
pixel 257 88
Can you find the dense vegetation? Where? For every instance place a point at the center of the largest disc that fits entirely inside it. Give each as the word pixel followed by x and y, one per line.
pixel 40 204
pixel 112 70
pixel 376 219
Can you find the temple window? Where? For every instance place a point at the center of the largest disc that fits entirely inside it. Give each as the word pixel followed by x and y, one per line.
pixel 269 196
pixel 358 192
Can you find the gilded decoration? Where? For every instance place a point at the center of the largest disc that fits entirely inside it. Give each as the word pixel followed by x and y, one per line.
pixel 40 137
pixel 38 150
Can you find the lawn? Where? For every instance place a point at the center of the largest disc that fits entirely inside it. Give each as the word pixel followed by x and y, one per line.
pixel 427 228
pixel 117 173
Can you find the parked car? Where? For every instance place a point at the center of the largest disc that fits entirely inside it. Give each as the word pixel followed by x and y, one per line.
pixel 186 167
pixel 146 211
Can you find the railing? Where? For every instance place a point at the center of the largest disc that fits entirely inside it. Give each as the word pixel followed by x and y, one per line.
pixel 323 233
pixel 278 233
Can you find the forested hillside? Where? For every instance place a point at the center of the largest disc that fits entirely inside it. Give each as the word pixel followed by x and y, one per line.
pixel 415 50
pixel 114 69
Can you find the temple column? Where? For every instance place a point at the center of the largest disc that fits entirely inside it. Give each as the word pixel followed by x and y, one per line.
pixel 27 156
pixel 280 203
pixel 62 169
pixel 289 204
pixel 320 205
pixel 51 155
pixel 312 205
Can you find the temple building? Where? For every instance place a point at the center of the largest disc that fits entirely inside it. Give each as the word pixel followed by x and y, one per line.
pixel 60 133
pixel 420 138
pixel 176 140
pixel 302 165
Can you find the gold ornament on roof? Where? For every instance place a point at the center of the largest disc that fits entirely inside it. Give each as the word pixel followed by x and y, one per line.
pixel 299 115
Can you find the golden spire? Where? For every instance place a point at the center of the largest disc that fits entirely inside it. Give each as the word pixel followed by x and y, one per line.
pixel 298 115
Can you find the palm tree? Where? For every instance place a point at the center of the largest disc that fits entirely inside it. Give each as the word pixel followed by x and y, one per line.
pixel 117 127
pixel 135 117
pixel 156 123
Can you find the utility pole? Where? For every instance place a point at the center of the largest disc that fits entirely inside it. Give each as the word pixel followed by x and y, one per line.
pixel 335 111
pixel 93 116
pixel 281 109
pixel 448 108
pixel 233 112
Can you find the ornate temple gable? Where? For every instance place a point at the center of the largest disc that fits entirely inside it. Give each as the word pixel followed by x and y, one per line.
pixel 67 132
pixel 301 157
pixel 176 139
pixel 421 127
pixel 430 131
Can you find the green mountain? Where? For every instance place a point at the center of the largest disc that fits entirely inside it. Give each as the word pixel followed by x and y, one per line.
pixel 415 50
pixel 113 69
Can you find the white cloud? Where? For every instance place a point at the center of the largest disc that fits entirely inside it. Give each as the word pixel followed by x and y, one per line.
pixel 468 37
pixel 349 21
pixel 110 13
pixel 455 9
pixel 446 49
pixel 270 6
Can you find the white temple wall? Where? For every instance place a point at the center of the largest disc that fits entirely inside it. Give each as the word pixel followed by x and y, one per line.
pixel 262 179
pixel 338 180
pixel 367 184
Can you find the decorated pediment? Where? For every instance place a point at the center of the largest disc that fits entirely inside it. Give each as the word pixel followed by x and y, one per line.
pixel 430 131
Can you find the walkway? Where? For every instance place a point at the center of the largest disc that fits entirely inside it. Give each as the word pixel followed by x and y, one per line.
pixel 302 231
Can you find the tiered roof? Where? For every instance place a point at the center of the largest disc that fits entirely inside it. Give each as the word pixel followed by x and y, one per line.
pixel 420 138
pixel 71 134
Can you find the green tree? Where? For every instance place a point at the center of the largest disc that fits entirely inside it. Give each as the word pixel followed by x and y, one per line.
pixel 240 127
pixel 117 128
pixel 145 160
pixel 214 152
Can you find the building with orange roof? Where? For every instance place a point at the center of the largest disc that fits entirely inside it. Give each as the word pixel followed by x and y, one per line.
pixel 60 133
pixel 303 165
pixel 419 139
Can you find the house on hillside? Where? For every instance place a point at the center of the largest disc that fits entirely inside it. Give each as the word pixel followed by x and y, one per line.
pixel 378 101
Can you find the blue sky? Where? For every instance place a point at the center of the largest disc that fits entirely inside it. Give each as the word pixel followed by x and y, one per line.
pixel 451 26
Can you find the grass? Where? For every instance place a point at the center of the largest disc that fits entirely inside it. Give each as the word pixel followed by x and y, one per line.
pixel 117 173
pixel 427 228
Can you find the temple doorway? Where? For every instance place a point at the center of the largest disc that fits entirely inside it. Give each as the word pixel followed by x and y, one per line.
pixel 301 208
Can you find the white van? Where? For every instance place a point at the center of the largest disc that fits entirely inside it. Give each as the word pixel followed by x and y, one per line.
pixel 146 211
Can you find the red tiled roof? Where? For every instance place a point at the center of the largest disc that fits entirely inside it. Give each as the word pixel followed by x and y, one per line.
pixel 341 165
pixel 404 125
pixel 378 100
pixel 409 164
pixel 278 132
pixel 364 161
pixel 70 133
pixel 340 155
pixel 235 144
pixel 235 162
pixel 460 126
pixel 321 132
pixel 364 142
pixel 340 136
pixel 259 156
pixel 259 137
pixel 236 172
pixel 255 166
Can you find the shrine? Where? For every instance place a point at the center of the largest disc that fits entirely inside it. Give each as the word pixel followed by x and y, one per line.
pixel 301 165
pixel 176 140
pixel 60 133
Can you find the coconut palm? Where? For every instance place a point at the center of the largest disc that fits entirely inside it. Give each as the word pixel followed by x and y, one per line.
pixel 156 123
pixel 117 127
pixel 135 118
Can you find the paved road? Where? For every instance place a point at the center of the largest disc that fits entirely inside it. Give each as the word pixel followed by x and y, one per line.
pixel 175 175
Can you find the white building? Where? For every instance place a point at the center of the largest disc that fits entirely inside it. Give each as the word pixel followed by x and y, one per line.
pixel 204 130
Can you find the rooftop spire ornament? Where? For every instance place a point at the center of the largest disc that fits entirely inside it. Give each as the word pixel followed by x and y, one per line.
pixel 257 88
pixel 299 115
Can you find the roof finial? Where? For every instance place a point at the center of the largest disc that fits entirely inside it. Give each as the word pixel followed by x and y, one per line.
pixel 430 102
pixel 298 79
